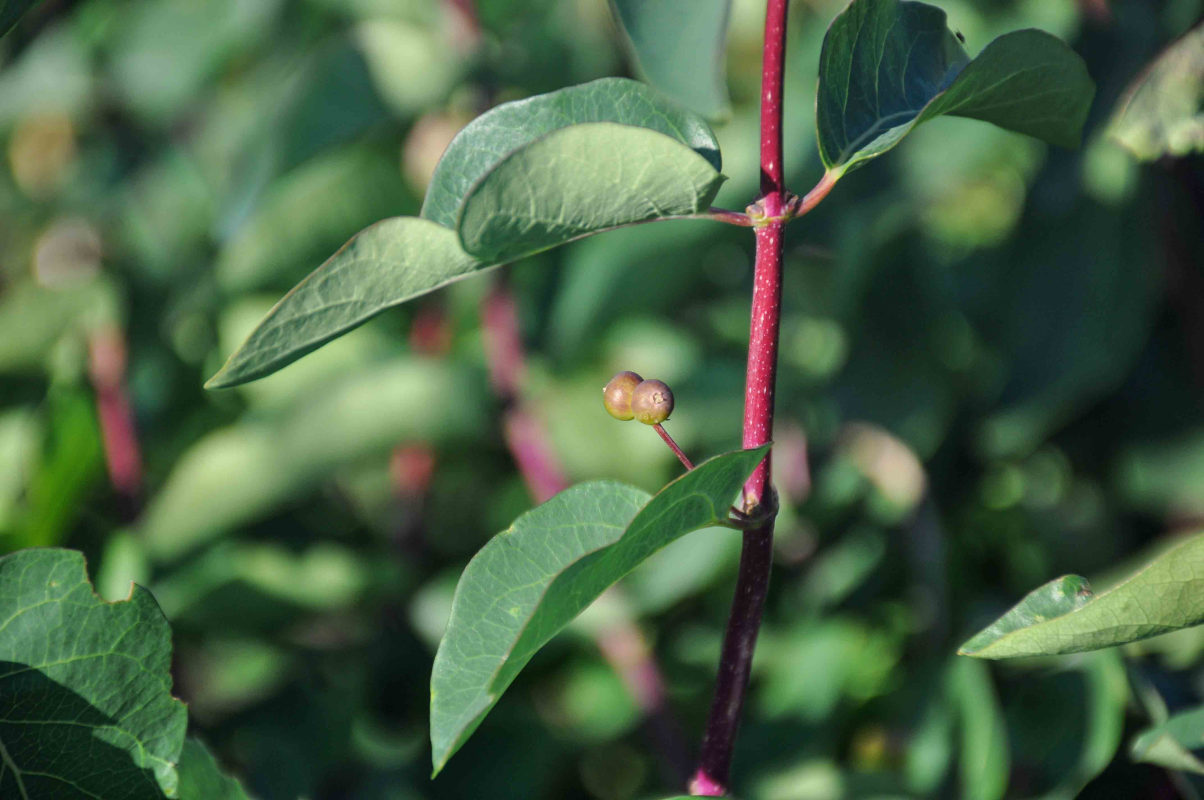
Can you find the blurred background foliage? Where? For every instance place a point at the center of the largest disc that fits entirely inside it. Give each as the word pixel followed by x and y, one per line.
pixel 995 350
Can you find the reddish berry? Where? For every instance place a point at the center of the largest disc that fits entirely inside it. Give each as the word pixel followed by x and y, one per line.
pixel 616 395
pixel 652 402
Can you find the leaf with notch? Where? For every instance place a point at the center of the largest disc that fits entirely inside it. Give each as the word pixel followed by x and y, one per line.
pixel 532 579
pixel 1064 616
pixel 489 138
pixel 679 48
pixel 580 180
pixel 383 266
pixel 85 686
pixel 886 66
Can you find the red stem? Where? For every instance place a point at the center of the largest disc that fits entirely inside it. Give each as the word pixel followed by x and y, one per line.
pixel 107 369
pixel 756 558
pixel 685 461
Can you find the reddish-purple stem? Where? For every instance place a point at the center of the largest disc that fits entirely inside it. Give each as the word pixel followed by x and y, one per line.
pixel 756 557
pixel 685 462
pixel 123 457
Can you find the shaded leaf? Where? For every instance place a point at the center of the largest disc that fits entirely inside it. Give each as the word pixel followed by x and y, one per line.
pixel 85 687
pixel 1170 744
pixel 531 580
pixel 887 66
pixel 1163 111
pixel 579 180
pixel 500 131
pixel 985 758
pixel 202 779
pixel 11 11
pixel 383 266
pixel 679 47
pixel 1063 616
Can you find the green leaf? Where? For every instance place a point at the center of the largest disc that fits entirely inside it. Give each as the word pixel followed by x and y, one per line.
pixel 532 579
pixel 85 687
pixel 202 779
pixel 11 11
pixel 580 180
pixel 679 48
pixel 1063 616
pixel 383 266
pixel 886 66
pixel 1163 111
pixel 489 138
pixel 1170 744
pixel 985 759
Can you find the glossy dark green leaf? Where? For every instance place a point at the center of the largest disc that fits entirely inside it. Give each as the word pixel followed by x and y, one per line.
pixel 85 686
pixel 1171 743
pixel 888 65
pixel 1163 111
pixel 489 138
pixel 1064 616
pixel 532 579
pixel 383 266
pixel 580 180
pixel 679 48
pixel 11 11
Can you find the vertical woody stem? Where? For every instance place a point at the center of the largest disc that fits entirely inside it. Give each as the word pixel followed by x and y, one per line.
pixel 756 558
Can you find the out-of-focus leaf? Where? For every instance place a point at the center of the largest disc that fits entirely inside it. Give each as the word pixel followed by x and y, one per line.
pixel 887 66
pixel 1171 744
pixel 33 319
pixel 289 231
pixel 412 66
pixel 984 757
pixel 579 180
pixel 236 474
pixel 1107 694
pixel 1165 476
pixel 1162 114
pixel 1064 616
pixel 489 138
pixel 679 47
pixel 383 266
pixel 531 580
pixel 53 75
pixel 85 686
pixel 166 51
pixel 202 779
pixel 11 11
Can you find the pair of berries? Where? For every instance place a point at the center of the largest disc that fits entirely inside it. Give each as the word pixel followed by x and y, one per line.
pixel 628 396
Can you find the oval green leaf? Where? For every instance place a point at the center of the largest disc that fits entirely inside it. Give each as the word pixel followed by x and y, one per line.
pixel 886 66
pixel 85 686
pixel 1171 744
pixel 384 265
pixel 500 131
pixel 1064 616
pixel 678 46
pixel 532 579
pixel 580 180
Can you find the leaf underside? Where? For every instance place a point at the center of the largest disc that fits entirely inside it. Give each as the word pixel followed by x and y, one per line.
pixel 523 177
pixel 85 686
pixel 888 65
pixel 1163 111
pixel 1063 616
pixel 531 580
pixel 679 46
pixel 1171 743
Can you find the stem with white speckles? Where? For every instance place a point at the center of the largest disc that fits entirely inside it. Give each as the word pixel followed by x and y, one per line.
pixel 756 558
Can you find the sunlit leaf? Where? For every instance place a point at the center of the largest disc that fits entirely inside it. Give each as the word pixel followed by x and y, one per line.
pixel 85 686
pixel 679 47
pixel 887 66
pixel 383 266
pixel 580 180
pixel 1163 111
pixel 492 136
pixel 531 580
pixel 1064 616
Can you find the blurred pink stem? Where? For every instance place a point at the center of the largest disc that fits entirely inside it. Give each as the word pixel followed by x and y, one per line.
pixel 106 368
